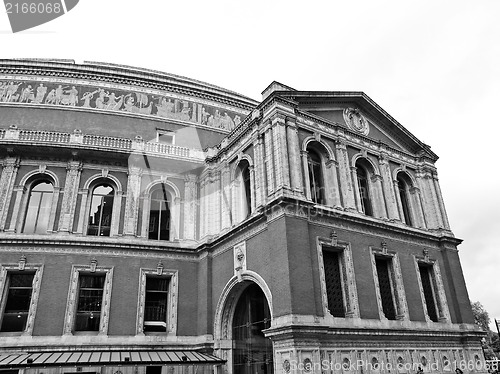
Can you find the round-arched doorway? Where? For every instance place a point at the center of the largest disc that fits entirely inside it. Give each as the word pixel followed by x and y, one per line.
pixel 252 351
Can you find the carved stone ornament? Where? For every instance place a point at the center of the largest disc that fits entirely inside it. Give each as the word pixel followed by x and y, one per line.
pixel 356 121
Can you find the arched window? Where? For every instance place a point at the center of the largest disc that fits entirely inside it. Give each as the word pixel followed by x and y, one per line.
pixel 403 190
pixel 316 184
pixel 38 211
pixel 364 189
pixel 253 352
pixel 159 215
pixel 101 210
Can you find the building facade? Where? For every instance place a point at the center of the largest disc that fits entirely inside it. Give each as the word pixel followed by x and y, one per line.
pixel 153 223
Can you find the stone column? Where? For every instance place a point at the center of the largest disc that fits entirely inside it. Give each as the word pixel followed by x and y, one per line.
pixel 70 195
pixel 116 215
pixel 439 195
pixel 417 207
pixel 399 203
pixel 226 207
pixel 282 168
pixel 294 157
pixel 190 198
pixel 84 192
pixel 252 190
pixel 7 180
pixel 260 178
pixel 378 199
pixel 146 206
pixel 331 184
pixel 203 209
pixel 16 224
pixel 132 200
pixel 357 198
pixel 346 183
pixel 53 209
pixel 307 181
pixel 269 161
pixel 389 191
pixel 424 180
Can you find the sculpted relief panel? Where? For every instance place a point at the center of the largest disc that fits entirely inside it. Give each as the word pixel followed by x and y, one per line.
pixel 33 92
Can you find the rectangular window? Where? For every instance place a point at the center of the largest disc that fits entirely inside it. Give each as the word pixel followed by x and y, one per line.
pixel 18 301
pixel 383 266
pixel 156 304
pixel 165 137
pixel 333 280
pixel 429 290
pixel 88 313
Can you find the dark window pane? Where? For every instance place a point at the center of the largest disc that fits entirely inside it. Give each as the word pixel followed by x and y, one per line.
pixel 385 288
pixel 38 211
pixel 159 215
pixel 101 211
pixel 18 302
pixel 246 186
pixel 316 185
pixel 156 303
pixel 89 305
pixel 403 194
pixel 364 192
pixel 425 276
pixel 333 283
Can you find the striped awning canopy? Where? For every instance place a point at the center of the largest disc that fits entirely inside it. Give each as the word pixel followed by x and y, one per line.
pixel 106 358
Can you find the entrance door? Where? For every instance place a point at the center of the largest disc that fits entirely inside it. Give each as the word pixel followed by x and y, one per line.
pixel 252 351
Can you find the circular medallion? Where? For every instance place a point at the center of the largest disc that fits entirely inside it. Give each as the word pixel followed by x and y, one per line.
pixel 356 121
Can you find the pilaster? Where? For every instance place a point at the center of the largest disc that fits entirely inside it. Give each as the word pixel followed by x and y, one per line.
pixel 307 181
pixel 389 189
pixel 132 200
pixel 70 195
pixel 190 198
pixel 281 165
pixel 430 204
pixel 7 180
pixel 378 199
pixel 294 157
pixel 226 196
pixel 346 183
pixel 259 171
pixel 332 185
pixel 269 161
pixel 439 195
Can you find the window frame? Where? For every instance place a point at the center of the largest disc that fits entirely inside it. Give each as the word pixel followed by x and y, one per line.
pixel 349 291
pixel 160 132
pixel 321 165
pixel 369 187
pixel 397 285
pixel 90 185
pixel 5 271
pixel 172 302
pixel 175 209
pixel 103 197
pixel 33 185
pixel 168 203
pixel 73 294
pixel 441 304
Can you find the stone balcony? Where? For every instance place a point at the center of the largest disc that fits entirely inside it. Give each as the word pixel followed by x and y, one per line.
pixel 14 135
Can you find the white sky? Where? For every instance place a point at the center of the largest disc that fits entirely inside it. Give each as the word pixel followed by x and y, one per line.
pixel 433 65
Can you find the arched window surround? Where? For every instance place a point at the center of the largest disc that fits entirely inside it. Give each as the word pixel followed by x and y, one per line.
pixel 330 182
pixel 22 195
pixel 242 189
pixel 88 190
pixel 413 195
pixel 374 184
pixel 174 198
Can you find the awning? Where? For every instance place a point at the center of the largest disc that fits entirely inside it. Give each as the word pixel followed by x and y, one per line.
pixel 106 358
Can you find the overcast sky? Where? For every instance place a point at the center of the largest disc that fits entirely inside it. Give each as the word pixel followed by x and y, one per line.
pixel 433 65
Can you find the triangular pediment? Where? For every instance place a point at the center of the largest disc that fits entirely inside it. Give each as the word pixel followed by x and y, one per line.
pixel 358 114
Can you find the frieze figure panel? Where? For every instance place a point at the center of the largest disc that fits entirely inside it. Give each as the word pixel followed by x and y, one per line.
pixel 33 92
